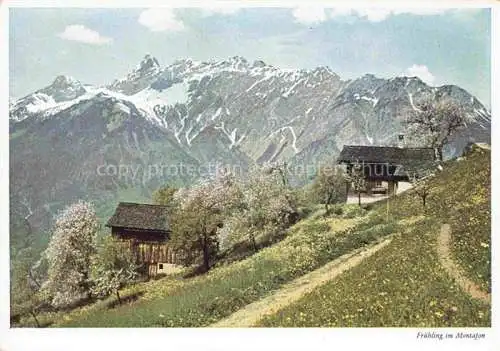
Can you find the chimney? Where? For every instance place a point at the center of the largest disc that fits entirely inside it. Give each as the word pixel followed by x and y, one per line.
pixel 401 140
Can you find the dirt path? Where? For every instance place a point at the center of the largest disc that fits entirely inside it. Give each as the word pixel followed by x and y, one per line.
pixel 249 315
pixel 444 254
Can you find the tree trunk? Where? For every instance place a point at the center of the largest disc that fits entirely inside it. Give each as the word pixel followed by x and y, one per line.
pixel 283 175
pixel 327 203
pixel 32 277
pixel 440 153
pixel 423 200
pixel 36 319
pixel 118 297
pixel 283 178
pixel 359 198
pixel 254 242
pixel 206 255
pixel 86 286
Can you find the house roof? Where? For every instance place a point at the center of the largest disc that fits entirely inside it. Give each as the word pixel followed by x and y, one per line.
pixel 385 154
pixel 140 216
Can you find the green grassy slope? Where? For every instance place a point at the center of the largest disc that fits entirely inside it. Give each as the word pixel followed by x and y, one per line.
pixel 206 299
pixel 404 284
pixel 461 196
pixel 467 205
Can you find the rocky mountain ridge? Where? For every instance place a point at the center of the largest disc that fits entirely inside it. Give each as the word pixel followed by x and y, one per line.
pixel 199 114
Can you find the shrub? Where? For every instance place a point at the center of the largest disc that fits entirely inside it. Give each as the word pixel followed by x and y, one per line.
pixel 367 207
pixel 338 210
pixel 25 294
pixel 112 268
pixel 305 211
pixel 354 211
pixel 329 186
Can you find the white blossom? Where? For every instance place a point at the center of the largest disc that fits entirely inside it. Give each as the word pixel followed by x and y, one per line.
pixel 69 253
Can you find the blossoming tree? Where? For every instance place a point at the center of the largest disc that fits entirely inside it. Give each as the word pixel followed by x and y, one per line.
pixel 69 254
pixel 201 211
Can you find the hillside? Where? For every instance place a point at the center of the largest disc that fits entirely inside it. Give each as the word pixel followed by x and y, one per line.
pixel 402 284
pixel 406 284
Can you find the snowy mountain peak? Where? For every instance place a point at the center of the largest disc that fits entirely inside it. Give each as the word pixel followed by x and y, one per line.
pixel 64 88
pixel 368 76
pixel 148 63
pixel 259 63
pixel 62 82
pixel 187 96
pixel 184 65
pixel 325 71
pixel 238 61
pixel 142 76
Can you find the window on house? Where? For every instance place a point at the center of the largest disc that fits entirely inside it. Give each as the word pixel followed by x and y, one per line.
pixel 160 266
pixel 378 183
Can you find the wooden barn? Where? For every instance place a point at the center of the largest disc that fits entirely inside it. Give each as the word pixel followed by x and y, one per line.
pixel 385 166
pixel 146 230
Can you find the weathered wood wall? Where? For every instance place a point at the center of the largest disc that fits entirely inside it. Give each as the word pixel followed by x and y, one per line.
pixel 148 247
pixel 155 253
pixel 143 236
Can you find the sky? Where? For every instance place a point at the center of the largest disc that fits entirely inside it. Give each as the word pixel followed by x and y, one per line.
pixel 96 46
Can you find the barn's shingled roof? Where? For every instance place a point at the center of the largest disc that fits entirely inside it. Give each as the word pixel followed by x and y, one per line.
pixel 382 154
pixel 140 216
pixel 406 159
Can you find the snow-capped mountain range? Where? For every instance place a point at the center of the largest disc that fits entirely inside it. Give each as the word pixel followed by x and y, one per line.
pixel 155 92
pixel 231 112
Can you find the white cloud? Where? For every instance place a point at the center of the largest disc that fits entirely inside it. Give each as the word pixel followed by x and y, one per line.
pixel 78 32
pixel 161 19
pixel 224 11
pixel 466 14
pixel 422 72
pixel 309 15
pixel 339 11
pixel 373 14
pixel 379 14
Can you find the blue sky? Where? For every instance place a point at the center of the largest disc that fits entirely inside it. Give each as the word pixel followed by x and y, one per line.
pixel 442 46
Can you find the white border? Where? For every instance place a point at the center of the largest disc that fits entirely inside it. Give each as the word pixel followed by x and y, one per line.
pixel 256 3
pixel 231 339
pixel 495 167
